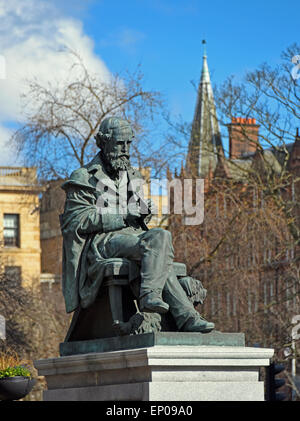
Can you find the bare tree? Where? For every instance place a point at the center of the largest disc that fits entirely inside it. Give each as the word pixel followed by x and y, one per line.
pixel 247 250
pixel 271 95
pixel 62 119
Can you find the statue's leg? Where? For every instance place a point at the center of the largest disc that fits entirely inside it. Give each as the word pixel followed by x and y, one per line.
pixel 182 310
pixel 155 251
pixel 121 245
pixel 157 259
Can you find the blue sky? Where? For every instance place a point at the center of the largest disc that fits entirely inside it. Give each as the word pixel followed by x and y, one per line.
pixel 164 36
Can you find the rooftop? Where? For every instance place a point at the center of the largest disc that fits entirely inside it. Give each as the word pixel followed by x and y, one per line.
pixel 18 177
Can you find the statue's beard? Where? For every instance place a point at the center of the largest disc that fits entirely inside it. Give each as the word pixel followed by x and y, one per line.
pixel 120 164
pixel 115 163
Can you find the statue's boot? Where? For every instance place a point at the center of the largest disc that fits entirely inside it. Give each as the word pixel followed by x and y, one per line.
pixel 186 317
pixel 198 324
pixel 151 302
pixel 157 259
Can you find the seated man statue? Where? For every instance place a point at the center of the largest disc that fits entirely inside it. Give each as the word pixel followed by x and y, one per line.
pixel 105 218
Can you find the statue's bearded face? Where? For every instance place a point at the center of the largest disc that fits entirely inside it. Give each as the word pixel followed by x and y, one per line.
pixel 117 150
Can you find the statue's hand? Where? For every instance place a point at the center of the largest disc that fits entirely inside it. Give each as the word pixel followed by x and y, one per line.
pixel 149 208
pixel 152 207
pixel 193 289
pixel 134 215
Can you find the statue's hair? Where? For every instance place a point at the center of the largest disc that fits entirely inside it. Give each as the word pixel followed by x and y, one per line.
pixel 107 127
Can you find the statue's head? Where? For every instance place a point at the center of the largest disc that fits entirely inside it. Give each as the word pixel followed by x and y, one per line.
pixel 114 138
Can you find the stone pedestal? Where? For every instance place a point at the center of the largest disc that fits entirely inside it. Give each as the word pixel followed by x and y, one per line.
pixel 161 372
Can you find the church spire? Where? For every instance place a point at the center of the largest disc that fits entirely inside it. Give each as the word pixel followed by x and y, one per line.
pixel 205 142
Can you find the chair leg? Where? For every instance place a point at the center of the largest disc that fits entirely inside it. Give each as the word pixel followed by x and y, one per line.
pixel 115 299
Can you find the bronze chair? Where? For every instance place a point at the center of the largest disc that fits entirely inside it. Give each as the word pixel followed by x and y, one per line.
pixel 115 305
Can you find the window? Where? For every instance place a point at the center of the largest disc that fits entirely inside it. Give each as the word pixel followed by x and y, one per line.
pixel 269 293
pixel 228 303
pixel 13 273
pixel 234 304
pixel 11 230
pixel 252 301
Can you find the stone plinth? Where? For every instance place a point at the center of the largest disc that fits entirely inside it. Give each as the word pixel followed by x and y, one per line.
pixel 158 373
pixel 146 340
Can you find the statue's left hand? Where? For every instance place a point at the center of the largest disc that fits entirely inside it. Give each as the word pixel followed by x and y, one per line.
pixel 151 206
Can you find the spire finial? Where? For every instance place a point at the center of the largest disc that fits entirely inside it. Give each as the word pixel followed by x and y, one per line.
pixel 205 73
pixel 204 47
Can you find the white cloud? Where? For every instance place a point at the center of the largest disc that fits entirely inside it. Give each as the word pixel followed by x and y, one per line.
pixel 33 37
pixel 7 154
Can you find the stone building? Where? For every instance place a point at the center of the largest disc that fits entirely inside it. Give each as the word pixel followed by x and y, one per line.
pixel 52 205
pixel 20 248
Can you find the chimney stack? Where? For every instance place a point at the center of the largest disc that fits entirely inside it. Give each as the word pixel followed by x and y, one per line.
pixel 243 137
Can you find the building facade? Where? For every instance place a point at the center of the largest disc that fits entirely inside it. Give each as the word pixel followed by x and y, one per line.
pixel 20 247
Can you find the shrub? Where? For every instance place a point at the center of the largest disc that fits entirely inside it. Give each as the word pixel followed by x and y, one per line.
pixel 15 371
pixel 10 365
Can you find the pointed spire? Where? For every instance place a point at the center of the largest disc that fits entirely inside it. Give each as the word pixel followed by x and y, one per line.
pixel 205 142
pixel 205 78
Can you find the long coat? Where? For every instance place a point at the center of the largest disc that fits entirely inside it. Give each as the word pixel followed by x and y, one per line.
pixel 83 227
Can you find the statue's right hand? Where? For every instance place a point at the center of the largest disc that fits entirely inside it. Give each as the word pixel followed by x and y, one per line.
pixel 132 220
pixel 133 216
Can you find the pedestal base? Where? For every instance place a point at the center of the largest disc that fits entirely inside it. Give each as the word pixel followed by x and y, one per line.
pixel 147 340
pixel 158 373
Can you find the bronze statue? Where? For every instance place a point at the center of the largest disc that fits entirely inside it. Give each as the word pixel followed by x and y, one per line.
pixel 104 221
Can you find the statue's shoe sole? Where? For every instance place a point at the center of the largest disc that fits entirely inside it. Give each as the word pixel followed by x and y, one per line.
pixel 201 329
pixel 206 330
pixel 151 303
pixel 154 308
